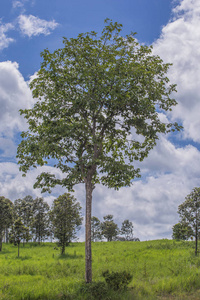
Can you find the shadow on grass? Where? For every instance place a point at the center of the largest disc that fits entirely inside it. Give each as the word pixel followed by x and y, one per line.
pixel 69 256
pixel 22 258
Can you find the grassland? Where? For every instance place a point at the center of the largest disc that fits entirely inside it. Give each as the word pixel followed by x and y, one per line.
pixel 161 269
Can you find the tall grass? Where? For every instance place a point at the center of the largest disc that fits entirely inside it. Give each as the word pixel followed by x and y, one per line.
pixel 160 269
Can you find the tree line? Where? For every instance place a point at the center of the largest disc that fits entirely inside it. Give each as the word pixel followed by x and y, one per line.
pixel 34 220
pixel 31 219
pixel 109 230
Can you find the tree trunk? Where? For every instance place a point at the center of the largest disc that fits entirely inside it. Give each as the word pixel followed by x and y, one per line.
pixel 0 242
pixel 88 250
pixel 196 239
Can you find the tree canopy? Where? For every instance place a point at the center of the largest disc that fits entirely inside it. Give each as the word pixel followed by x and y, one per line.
pixel 98 106
pixel 66 219
pixel 189 212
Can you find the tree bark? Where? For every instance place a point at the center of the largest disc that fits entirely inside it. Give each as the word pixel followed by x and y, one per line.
pixel 88 250
pixel 196 238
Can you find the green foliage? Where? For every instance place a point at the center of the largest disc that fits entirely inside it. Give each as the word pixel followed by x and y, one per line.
pixel 109 228
pixel 66 219
pixel 117 280
pixel 90 95
pixel 181 231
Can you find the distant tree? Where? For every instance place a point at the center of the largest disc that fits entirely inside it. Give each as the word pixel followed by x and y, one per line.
pixel 40 220
pixel 66 219
pixel 189 212
pixel 91 95
pixel 181 231
pixel 127 230
pixel 109 228
pixel 18 233
pixel 6 217
pixel 23 208
pixel 96 234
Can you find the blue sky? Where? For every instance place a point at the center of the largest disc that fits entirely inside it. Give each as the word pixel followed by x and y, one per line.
pixel 171 171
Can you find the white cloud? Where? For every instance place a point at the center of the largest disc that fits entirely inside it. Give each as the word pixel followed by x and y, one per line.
pixel 180 44
pixel 14 95
pixel 4 39
pixel 33 26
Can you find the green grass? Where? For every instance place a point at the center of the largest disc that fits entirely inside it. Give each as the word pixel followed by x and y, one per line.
pixel 162 269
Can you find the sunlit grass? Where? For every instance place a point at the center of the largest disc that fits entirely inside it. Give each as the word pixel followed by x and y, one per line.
pixel 160 269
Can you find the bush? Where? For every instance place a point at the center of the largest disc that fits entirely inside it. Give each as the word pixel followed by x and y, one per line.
pixel 95 290
pixel 117 280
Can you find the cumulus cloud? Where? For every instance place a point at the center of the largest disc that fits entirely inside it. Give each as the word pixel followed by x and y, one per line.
pixel 33 26
pixel 14 95
pixel 4 39
pixel 180 44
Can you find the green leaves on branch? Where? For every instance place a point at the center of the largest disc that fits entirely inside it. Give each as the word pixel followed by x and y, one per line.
pixel 97 109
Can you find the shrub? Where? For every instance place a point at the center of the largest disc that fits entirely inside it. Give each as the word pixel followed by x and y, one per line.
pixel 117 280
pixel 95 290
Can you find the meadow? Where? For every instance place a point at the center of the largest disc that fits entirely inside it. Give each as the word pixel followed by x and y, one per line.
pixel 161 269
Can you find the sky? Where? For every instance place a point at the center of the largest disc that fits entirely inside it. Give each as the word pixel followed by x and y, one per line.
pixel 172 168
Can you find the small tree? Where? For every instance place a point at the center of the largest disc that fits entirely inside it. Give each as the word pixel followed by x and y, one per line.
pixel 6 217
pixel 40 221
pixel 66 219
pixel 127 229
pixel 109 228
pixel 189 212
pixel 181 231
pixel 96 229
pixel 23 208
pixel 18 233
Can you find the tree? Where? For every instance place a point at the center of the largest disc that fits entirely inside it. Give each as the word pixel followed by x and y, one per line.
pixel 95 229
pixel 6 216
pixel 189 212
pixel 127 229
pixel 66 219
pixel 23 208
pixel 109 228
pixel 18 232
pixel 181 231
pixel 40 219
pixel 98 106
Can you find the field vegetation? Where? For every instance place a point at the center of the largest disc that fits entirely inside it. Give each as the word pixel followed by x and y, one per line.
pixel 161 269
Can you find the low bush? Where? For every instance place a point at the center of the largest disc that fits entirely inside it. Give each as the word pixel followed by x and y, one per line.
pixel 117 280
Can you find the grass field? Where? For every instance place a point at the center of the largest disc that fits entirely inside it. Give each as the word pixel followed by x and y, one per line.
pixel 162 269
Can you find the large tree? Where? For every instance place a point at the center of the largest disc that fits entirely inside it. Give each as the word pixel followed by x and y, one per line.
pixel 98 108
pixel 66 219
pixel 189 212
